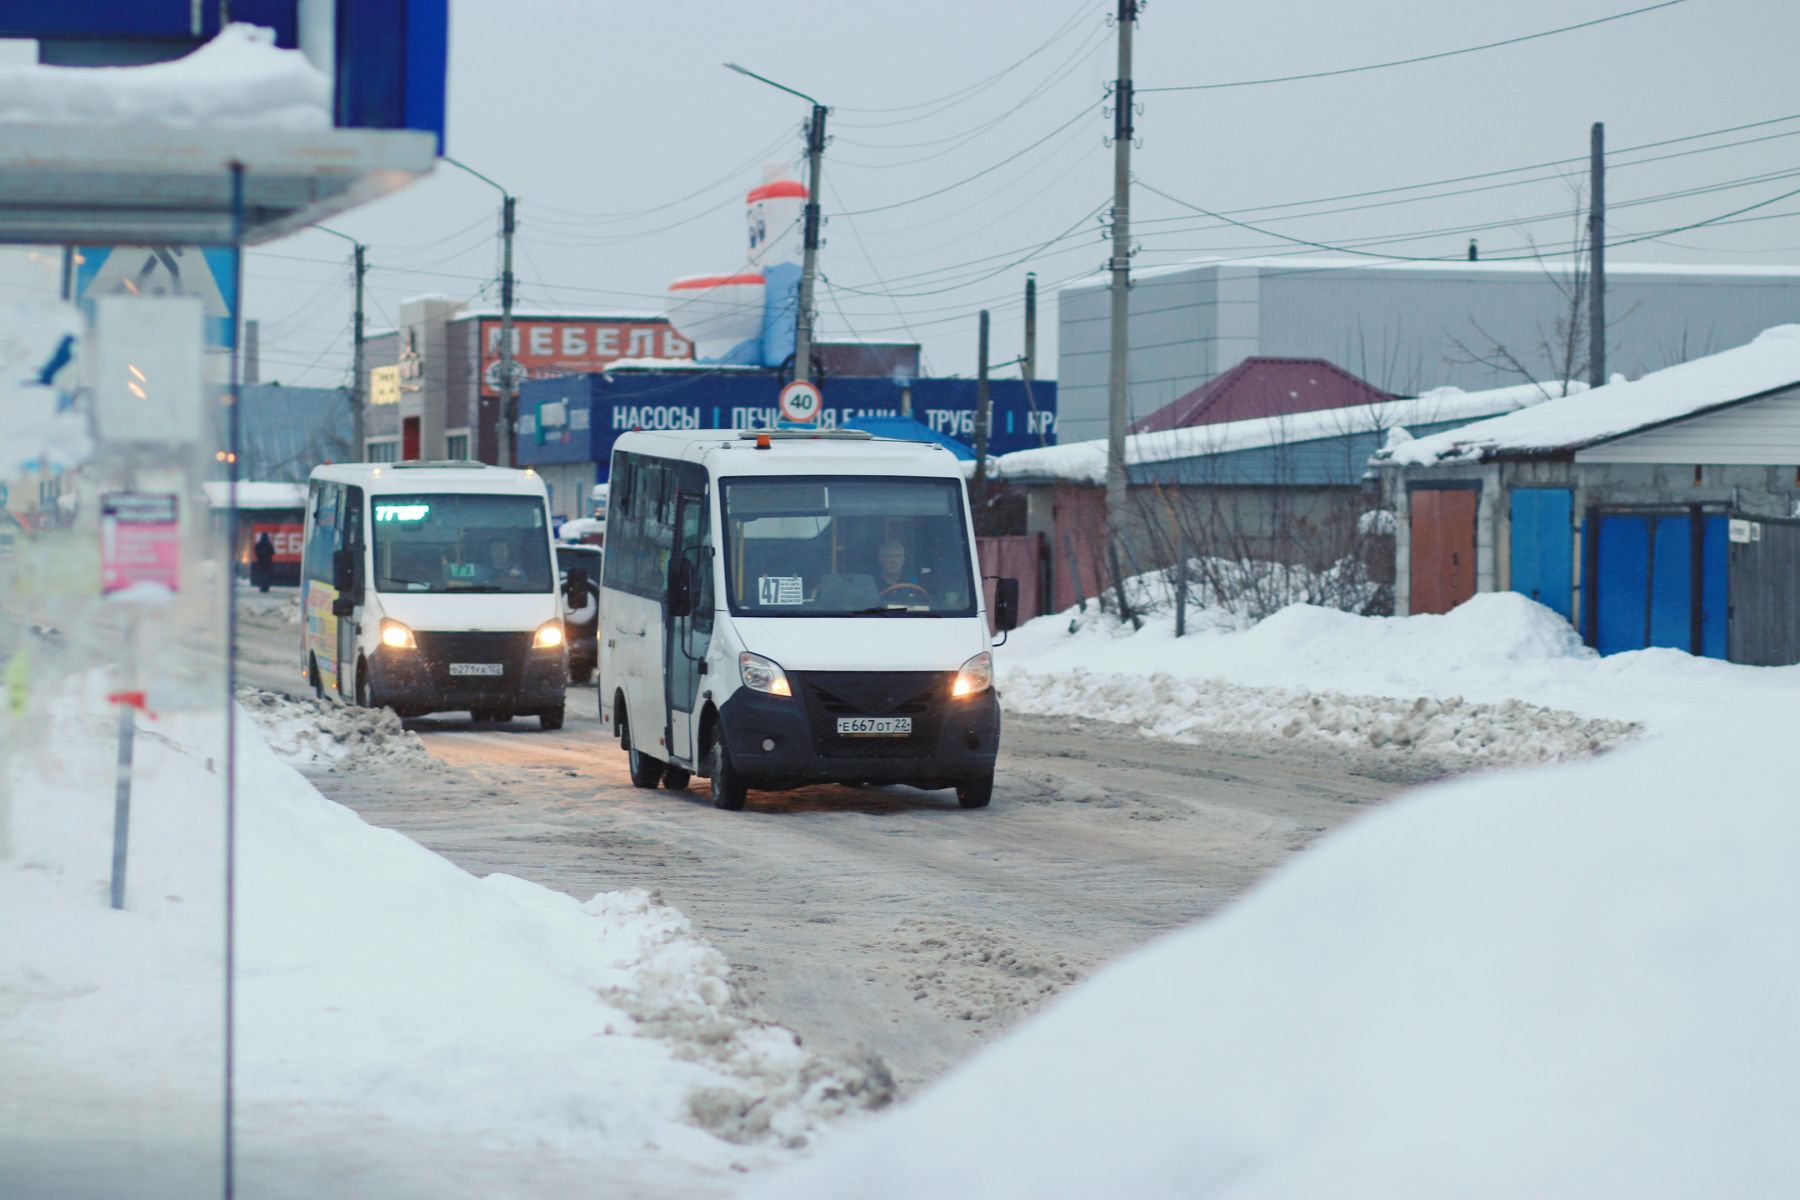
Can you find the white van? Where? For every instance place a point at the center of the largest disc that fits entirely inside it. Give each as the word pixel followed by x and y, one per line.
pixel 782 608
pixel 428 587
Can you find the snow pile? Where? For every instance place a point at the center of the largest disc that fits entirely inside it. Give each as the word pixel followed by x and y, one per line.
pixel 318 733
pixel 1509 680
pixel 1455 731
pixel 239 80
pixel 386 999
pixel 1571 982
pixel 1769 362
pixel 1229 593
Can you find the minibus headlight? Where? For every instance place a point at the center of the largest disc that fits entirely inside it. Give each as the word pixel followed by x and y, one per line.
pixel 976 676
pixel 549 636
pixel 763 675
pixel 396 636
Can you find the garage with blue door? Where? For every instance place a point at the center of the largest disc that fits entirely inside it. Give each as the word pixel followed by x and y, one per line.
pixel 1658 578
pixel 1543 546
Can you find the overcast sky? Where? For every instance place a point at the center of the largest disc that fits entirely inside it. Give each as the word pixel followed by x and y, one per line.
pixel 590 111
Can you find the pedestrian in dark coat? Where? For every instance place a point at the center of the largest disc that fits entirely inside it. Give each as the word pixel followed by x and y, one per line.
pixel 263 569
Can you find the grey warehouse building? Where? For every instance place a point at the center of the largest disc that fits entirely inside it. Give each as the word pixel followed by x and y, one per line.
pixel 1404 327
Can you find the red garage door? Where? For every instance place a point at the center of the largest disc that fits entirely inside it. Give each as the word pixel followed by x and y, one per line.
pixel 1443 548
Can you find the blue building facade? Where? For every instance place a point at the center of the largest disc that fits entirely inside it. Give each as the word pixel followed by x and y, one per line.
pixel 575 421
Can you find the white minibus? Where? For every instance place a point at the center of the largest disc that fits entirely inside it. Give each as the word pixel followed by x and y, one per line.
pixel 781 608
pixel 432 586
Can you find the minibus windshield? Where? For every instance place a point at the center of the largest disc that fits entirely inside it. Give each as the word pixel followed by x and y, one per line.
pixel 460 542
pixel 847 546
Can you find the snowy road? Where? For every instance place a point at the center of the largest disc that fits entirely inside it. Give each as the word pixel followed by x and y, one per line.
pixel 880 918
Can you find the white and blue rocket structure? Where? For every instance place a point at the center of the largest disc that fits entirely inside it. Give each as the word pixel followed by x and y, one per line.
pixel 750 316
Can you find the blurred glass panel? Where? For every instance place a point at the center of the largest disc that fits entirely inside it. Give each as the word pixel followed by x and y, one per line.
pixel 115 580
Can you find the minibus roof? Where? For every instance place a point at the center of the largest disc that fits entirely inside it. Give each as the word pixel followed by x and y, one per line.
pixel 794 452
pixel 453 476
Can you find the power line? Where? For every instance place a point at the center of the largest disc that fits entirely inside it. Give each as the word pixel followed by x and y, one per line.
pixel 951 99
pixel 1403 62
pixel 1086 110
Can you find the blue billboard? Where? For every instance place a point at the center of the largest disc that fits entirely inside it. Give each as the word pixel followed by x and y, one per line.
pixel 577 419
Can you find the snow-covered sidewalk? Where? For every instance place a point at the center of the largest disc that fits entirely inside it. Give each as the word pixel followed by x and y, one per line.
pixel 386 1002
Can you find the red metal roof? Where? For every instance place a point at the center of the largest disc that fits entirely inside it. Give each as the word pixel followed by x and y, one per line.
pixel 1264 387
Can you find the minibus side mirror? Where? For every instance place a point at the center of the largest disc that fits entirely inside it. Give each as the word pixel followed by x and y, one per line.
pixel 1006 604
pixel 343 578
pixel 681 588
pixel 576 588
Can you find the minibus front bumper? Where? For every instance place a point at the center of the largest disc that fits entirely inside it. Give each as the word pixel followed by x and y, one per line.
pixel 788 741
pixel 449 671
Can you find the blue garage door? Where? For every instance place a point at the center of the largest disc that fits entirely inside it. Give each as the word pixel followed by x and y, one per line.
pixel 1650 569
pixel 1543 547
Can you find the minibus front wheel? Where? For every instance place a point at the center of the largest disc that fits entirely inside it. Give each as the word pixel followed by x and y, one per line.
pixel 975 793
pixel 728 789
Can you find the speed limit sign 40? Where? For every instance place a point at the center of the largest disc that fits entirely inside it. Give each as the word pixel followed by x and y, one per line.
pixel 800 402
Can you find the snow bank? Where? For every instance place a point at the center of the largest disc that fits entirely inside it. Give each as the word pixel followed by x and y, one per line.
pixel 317 733
pixel 1558 983
pixel 239 80
pixel 1453 729
pixel 384 996
pixel 1511 666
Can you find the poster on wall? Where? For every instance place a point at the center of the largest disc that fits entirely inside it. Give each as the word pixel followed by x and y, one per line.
pixel 140 545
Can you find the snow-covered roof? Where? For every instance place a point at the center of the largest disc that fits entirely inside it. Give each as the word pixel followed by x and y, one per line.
pixel 1086 461
pixel 1531 266
pixel 238 80
pixel 674 364
pixel 1767 364
pixel 253 494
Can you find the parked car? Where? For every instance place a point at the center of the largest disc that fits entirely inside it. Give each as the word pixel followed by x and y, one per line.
pixel 579 569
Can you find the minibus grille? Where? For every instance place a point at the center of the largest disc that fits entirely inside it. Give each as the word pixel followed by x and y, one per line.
pixel 829 695
pixel 439 650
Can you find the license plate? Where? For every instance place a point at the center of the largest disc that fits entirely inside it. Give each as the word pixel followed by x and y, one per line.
pixel 477 668
pixel 874 726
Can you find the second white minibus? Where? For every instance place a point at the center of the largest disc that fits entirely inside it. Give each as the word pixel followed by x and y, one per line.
pixel 782 608
pixel 428 587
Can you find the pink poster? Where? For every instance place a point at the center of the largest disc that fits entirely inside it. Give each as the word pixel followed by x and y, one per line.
pixel 140 544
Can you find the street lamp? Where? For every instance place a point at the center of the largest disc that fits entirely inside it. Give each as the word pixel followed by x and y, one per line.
pixel 507 400
pixel 815 151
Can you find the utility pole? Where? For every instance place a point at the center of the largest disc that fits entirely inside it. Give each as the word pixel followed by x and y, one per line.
pixel 1597 266
pixel 358 376
pixel 508 402
pixel 981 412
pixel 1029 367
pixel 1121 283
pixel 809 261
pixel 504 455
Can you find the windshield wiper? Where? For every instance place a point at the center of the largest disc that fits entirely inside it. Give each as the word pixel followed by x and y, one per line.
pixel 409 582
pixel 473 587
pixel 891 610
